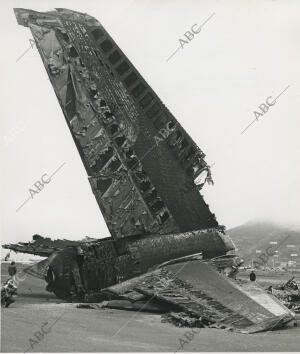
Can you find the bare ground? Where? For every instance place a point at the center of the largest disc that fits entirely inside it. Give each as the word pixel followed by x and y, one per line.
pixel 68 329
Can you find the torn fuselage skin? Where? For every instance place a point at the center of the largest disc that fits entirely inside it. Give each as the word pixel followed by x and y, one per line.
pixel 80 272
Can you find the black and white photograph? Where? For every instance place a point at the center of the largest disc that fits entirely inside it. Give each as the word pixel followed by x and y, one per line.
pixel 150 176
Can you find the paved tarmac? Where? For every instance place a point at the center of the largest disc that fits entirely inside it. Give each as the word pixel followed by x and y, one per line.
pixel 61 327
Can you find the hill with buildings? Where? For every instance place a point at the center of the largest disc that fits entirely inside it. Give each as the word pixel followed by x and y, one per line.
pixel 254 239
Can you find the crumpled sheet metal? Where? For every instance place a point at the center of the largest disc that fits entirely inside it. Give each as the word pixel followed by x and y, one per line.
pixel 40 246
pixel 132 147
pixel 197 289
pixel 108 261
pixel 288 294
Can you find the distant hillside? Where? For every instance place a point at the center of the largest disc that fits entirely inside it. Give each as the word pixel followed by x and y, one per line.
pixel 254 236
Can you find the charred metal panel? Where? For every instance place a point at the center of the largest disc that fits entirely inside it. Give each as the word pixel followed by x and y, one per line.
pixel 41 246
pixel 81 269
pixel 141 163
pixel 198 290
pixel 152 250
pixel 98 265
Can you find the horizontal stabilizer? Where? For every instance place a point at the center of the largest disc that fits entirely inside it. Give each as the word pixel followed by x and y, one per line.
pixel 42 246
pixel 197 289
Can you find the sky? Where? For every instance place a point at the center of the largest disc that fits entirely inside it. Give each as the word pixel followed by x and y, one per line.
pixel 246 52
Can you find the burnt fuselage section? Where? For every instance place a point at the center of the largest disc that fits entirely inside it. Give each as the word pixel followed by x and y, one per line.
pixel 81 271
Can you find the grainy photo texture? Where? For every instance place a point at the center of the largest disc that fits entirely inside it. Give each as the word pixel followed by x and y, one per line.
pixel 150 176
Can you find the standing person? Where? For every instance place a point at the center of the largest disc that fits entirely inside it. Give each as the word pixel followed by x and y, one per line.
pixel 12 271
pixel 252 276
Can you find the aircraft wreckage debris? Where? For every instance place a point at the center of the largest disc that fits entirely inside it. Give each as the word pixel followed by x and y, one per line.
pixel 166 246
pixel 186 301
pixel 288 294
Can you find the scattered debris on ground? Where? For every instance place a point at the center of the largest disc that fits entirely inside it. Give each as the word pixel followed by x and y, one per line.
pixel 288 294
pixel 182 319
pixel 120 304
pixel 195 295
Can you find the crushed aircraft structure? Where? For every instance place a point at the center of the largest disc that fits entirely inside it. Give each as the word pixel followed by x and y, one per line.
pixel 146 174
pixel 288 294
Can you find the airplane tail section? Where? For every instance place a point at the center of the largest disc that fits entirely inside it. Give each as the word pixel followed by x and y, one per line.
pixel 143 167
